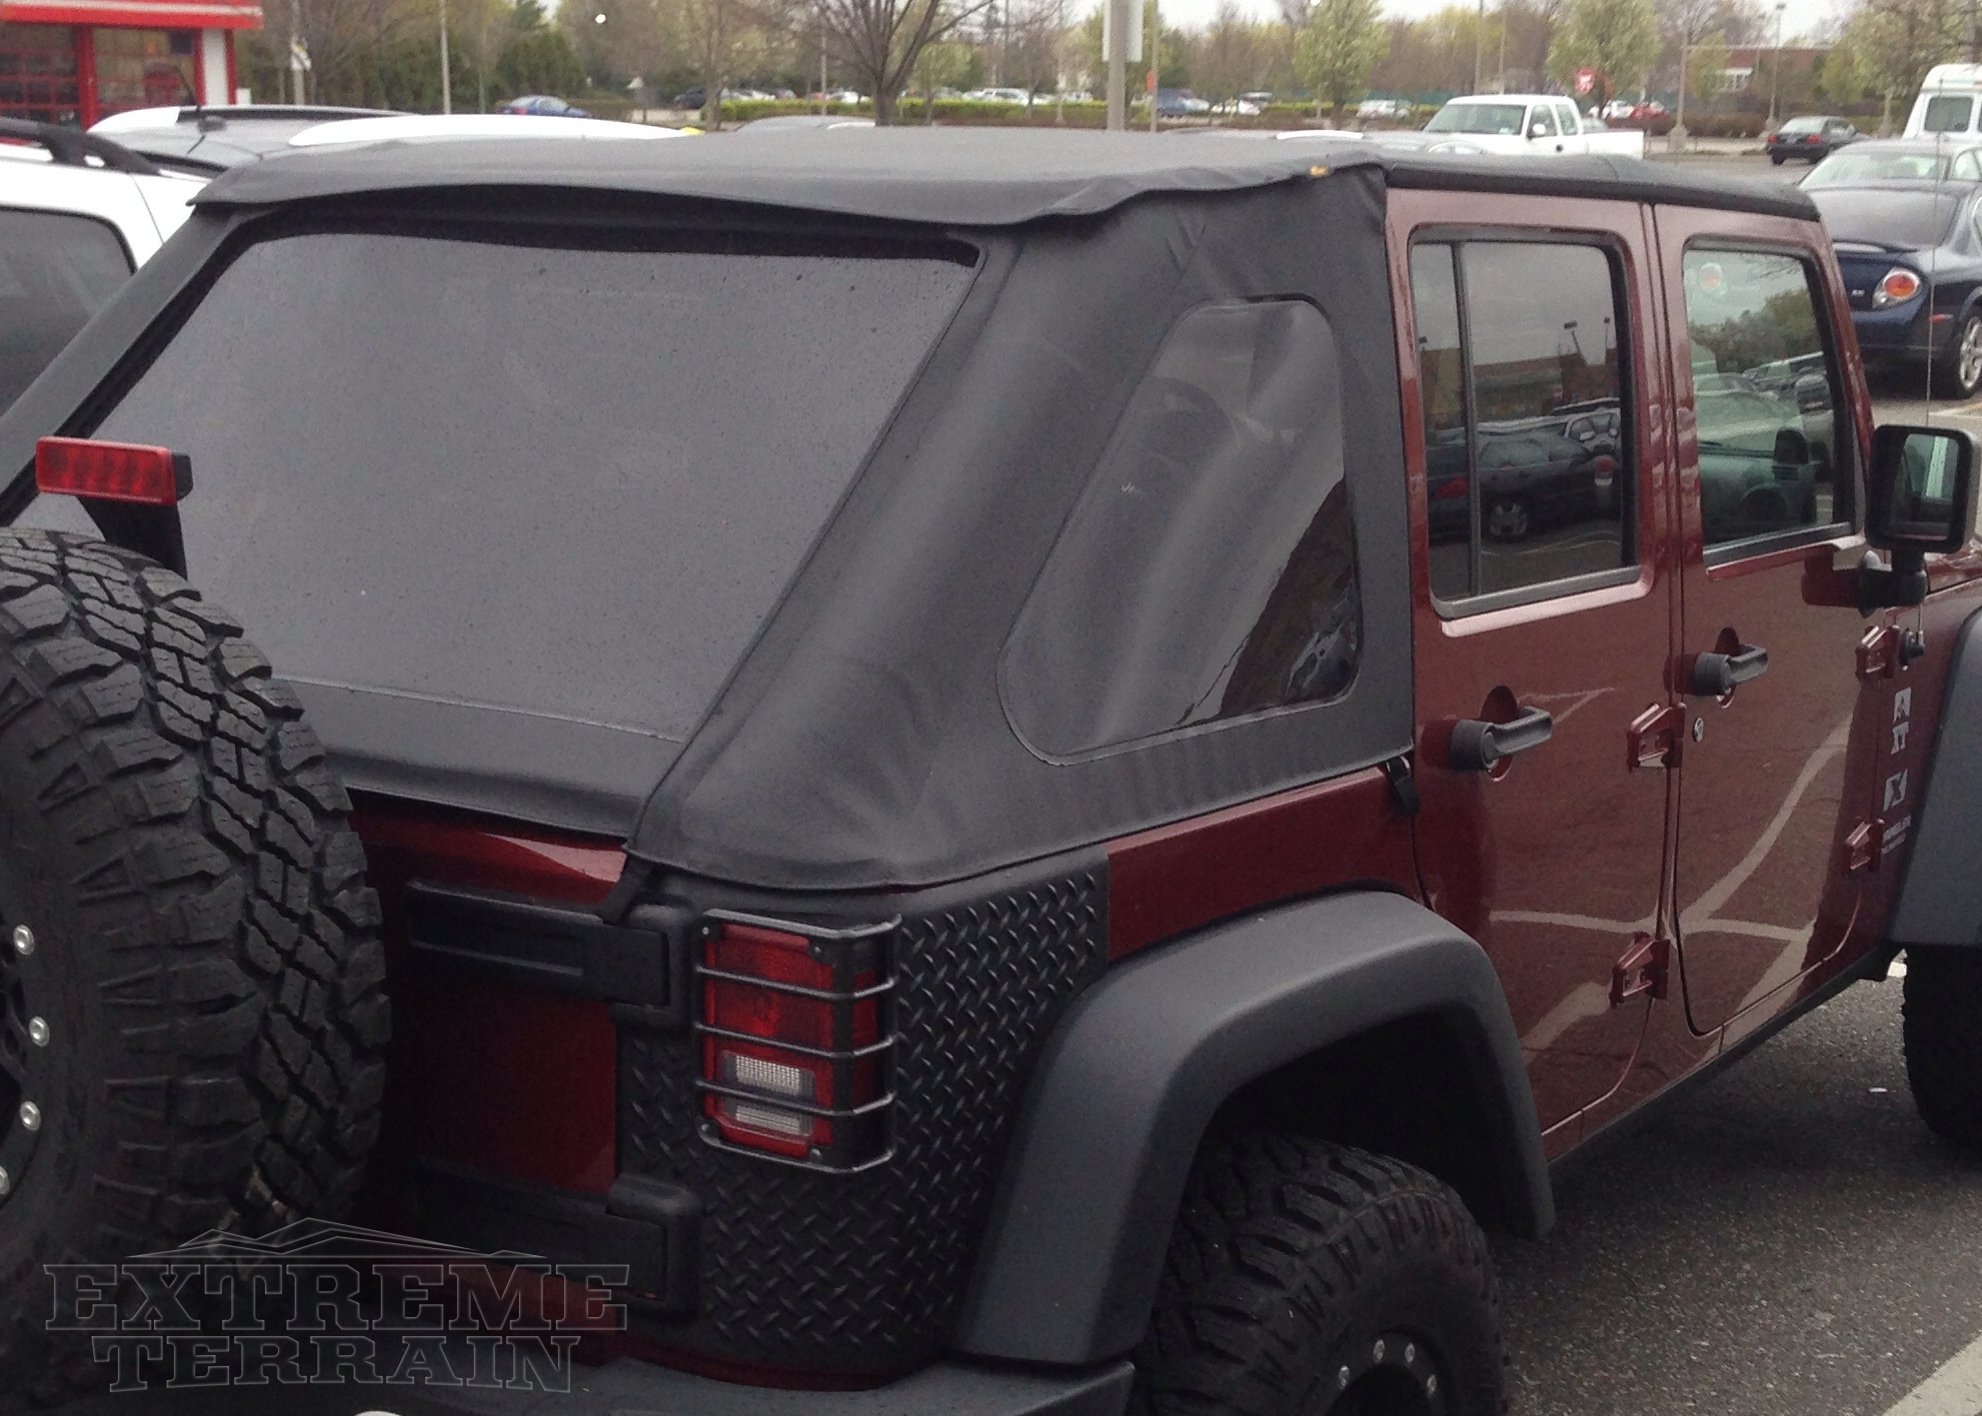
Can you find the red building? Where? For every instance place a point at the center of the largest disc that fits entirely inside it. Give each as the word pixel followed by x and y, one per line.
pixel 74 61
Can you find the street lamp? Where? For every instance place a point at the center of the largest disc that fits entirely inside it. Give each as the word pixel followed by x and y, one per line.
pixel 1775 70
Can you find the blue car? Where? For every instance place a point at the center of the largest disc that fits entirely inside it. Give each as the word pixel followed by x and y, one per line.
pixel 1911 256
pixel 543 105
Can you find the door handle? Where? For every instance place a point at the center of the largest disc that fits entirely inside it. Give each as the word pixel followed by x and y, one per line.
pixel 1715 675
pixel 1475 746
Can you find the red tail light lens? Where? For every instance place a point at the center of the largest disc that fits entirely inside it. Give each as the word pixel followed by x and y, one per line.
pixel 108 471
pixel 1812 138
pixel 792 1049
pixel 1895 287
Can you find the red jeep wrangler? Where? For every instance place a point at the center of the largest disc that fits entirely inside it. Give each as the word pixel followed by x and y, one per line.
pixel 1024 772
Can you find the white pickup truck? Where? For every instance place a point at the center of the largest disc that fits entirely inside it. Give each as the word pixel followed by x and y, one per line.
pixel 1541 125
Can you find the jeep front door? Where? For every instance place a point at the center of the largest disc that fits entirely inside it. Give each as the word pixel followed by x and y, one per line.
pixel 1544 614
pixel 1773 781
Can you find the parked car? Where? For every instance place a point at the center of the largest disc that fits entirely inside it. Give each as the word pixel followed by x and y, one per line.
pixel 1540 125
pixel 1179 103
pixel 1888 159
pixel 970 882
pixel 542 105
pixel 77 214
pixel 209 140
pixel 1911 256
pixel 1810 139
pixel 1383 108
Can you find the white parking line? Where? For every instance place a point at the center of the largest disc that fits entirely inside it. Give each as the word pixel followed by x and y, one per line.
pixel 1955 1390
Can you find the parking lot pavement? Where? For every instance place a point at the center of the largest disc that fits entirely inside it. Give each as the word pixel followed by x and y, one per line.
pixel 1786 1241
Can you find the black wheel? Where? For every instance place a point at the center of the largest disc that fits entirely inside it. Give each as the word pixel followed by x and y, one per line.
pixel 1310 1279
pixel 1776 158
pixel 1943 1037
pixel 1959 375
pixel 192 1014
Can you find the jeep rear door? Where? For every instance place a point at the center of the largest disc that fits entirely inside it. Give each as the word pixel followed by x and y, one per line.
pixel 1777 789
pixel 1541 587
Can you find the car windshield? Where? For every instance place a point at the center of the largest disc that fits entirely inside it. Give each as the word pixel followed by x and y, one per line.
pixel 1854 165
pixel 1802 125
pixel 563 477
pixel 1896 218
pixel 1501 118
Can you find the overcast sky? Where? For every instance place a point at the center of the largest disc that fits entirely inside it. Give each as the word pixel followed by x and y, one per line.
pixel 1802 17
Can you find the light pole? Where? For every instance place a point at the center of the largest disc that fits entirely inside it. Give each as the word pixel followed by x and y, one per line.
pixel 1775 70
pixel 1479 43
pixel 446 78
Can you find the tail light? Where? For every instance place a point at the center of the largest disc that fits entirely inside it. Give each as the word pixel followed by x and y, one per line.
pixel 795 1042
pixel 1768 137
pixel 1451 489
pixel 110 471
pixel 1897 286
pixel 1811 138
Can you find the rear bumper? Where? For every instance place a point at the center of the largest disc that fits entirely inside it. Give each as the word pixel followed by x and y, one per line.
pixel 629 1388
pixel 950 1388
pixel 1904 335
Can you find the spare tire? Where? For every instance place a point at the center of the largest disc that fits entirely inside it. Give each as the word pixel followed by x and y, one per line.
pixel 192 1006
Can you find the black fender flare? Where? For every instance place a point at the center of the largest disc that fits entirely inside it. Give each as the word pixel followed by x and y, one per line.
pixel 1135 1071
pixel 1939 901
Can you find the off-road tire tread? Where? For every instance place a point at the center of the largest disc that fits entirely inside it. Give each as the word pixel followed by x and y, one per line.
pixel 1273 1224
pixel 234 942
pixel 1941 1030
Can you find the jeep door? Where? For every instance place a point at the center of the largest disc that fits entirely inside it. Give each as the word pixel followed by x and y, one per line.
pixel 1777 790
pixel 1542 598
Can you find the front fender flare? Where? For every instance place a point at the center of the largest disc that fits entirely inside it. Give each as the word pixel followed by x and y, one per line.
pixel 1135 1071
pixel 1940 891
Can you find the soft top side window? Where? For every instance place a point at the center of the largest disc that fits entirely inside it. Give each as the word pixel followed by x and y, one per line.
pixel 1208 572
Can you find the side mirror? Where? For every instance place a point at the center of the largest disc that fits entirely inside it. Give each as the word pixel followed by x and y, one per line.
pixel 1537 130
pixel 1922 500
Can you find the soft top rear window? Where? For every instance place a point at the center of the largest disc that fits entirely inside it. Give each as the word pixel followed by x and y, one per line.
pixel 553 477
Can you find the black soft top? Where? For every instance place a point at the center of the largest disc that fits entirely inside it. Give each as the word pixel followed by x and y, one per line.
pixel 952 177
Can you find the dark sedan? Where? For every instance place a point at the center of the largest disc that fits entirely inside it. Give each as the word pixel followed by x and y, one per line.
pixel 1898 160
pixel 1911 256
pixel 542 105
pixel 1809 139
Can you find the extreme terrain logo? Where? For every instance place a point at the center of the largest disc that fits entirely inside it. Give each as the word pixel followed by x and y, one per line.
pixel 326 1303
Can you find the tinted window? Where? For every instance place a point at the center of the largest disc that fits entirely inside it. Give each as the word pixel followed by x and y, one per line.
pixel 1884 216
pixel 1208 571
pixel 55 272
pixel 1526 460
pixel 1802 125
pixel 1765 399
pixel 1967 167
pixel 1947 113
pixel 567 481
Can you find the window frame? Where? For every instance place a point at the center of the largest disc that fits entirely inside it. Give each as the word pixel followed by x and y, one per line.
pixel 1844 474
pixel 1613 248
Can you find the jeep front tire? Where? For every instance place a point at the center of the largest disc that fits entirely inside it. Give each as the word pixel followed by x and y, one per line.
pixel 1311 1279
pixel 192 1015
pixel 1942 1031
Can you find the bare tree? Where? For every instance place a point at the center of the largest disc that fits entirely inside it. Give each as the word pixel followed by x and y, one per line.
pixel 880 40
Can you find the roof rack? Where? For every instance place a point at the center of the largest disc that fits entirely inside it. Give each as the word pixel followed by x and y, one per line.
pixel 72 147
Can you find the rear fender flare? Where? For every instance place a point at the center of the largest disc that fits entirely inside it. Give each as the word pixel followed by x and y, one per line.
pixel 1136 1070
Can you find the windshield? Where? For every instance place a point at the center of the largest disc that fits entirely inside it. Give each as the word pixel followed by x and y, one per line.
pixel 1802 125
pixel 1898 219
pixel 1501 118
pixel 1947 113
pixel 565 480
pixel 1853 165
